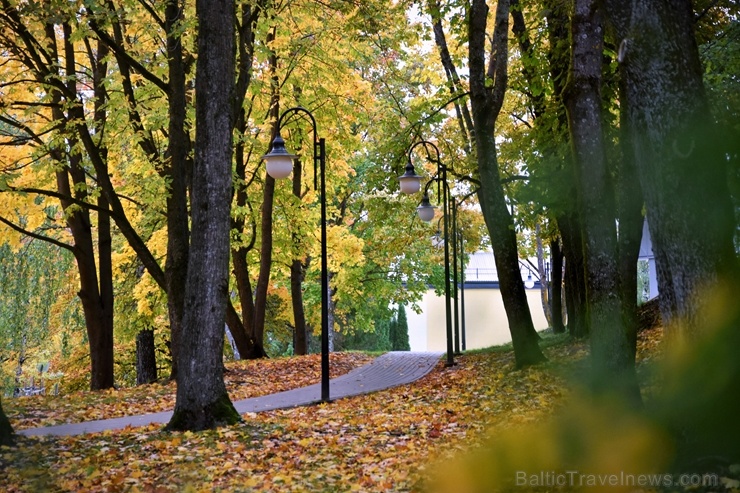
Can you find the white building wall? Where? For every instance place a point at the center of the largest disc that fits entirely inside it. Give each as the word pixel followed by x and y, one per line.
pixel 417 323
pixel 485 320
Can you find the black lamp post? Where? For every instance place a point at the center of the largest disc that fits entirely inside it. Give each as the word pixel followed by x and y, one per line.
pixel 455 278
pixel 279 165
pixel 462 288
pixel 410 183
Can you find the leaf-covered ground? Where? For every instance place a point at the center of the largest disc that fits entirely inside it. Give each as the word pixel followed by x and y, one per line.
pixel 386 441
pixel 244 379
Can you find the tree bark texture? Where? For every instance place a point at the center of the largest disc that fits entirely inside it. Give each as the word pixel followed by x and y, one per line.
pixel 556 285
pixel 611 351
pixel 202 401
pixel 487 88
pixel 545 291
pixel 575 274
pixel 679 161
pixel 146 361
pixel 178 234
pixel 297 275
pixel 629 215
pixel 96 293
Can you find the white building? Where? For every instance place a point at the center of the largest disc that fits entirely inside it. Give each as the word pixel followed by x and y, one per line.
pixel 485 323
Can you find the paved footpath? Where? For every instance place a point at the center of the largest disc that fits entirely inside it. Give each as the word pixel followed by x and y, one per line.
pixel 386 371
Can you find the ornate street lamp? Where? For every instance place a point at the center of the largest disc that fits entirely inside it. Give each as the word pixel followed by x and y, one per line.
pixel 410 183
pixel 279 165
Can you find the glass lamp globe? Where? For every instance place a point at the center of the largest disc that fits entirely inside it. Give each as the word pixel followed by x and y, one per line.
pixel 279 160
pixel 529 283
pixel 409 182
pixel 425 210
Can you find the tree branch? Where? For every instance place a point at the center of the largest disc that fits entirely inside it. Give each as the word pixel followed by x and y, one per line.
pixel 61 196
pixel 37 236
pixel 121 52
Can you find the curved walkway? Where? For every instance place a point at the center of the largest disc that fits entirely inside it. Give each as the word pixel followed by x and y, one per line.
pixel 386 371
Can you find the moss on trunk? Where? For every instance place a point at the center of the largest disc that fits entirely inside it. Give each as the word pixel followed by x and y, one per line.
pixel 221 412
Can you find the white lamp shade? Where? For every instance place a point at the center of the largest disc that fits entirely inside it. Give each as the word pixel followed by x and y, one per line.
pixel 279 166
pixel 409 182
pixel 425 210
pixel 279 160
pixel 529 283
pixel 426 214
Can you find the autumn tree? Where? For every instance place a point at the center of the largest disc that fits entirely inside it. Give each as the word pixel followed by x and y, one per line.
pixel 202 401
pixel 540 74
pixel 362 261
pixel 681 166
pixel 46 48
pixel 488 83
pixel 476 124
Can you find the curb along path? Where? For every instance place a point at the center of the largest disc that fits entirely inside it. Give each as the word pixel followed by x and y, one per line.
pixel 386 371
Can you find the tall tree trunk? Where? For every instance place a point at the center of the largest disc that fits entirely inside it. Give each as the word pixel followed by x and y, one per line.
pixel 6 430
pixel 263 282
pixel 297 275
pixel 105 270
pixel 98 311
pixel 545 291
pixel 629 216
pixel 568 248
pixel 242 329
pixel 202 401
pixel 487 89
pixel 575 277
pixel 268 197
pixel 146 362
pixel 558 35
pixel 176 265
pixel 105 241
pixel 611 350
pixel 680 162
pixel 556 284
